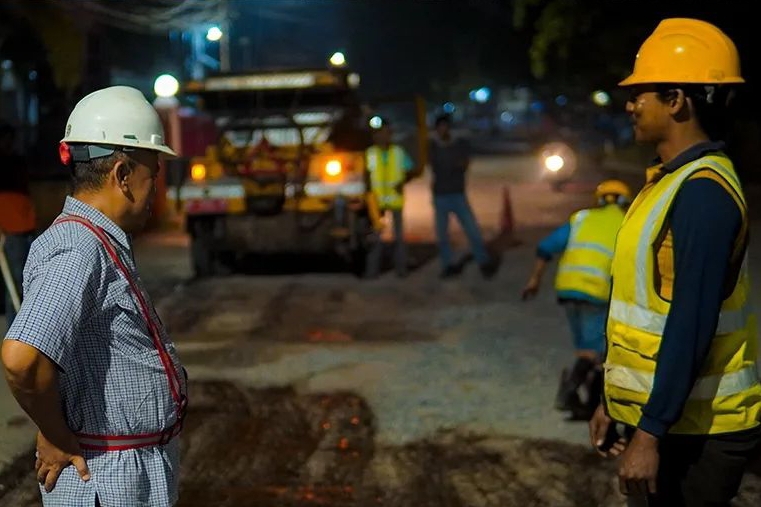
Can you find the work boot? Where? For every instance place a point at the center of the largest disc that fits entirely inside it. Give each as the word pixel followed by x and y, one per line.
pixel 583 408
pixel 581 369
pixel 595 388
pixel 450 272
pixel 580 411
pixel 566 395
pixel 570 381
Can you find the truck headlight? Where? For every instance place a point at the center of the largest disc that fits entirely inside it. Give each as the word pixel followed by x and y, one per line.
pixel 333 168
pixel 554 163
pixel 198 172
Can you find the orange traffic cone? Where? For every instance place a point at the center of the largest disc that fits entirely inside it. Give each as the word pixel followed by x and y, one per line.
pixel 507 221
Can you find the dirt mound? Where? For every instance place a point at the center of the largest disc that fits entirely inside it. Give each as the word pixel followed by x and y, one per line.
pixel 273 447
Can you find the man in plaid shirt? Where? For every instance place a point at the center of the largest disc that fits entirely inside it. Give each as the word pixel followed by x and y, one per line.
pixel 87 357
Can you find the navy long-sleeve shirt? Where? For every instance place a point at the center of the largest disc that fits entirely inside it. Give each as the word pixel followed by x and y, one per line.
pixel 705 222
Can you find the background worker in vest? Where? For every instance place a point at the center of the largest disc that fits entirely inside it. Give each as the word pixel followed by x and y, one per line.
pixel 18 220
pixel 680 366
pixel 389 168
pixel 582 285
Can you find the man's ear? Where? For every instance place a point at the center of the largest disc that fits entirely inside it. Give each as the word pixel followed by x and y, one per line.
pixel 677 101
pixel 122 172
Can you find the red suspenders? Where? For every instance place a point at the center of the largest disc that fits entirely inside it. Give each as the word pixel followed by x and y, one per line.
pixel 119 442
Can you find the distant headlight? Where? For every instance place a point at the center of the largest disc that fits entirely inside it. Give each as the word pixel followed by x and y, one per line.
pixel 333 168
pixel 554 163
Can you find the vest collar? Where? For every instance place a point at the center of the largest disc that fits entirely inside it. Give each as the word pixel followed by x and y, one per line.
pixel 658 169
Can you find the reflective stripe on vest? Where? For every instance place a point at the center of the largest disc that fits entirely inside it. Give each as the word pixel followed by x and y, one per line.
pixel 643 249
pixel 638 315
pixel 584 266
pixel 652 322
pixel 726 396
pixel 705 388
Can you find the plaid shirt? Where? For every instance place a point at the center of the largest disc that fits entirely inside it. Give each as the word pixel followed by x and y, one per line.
pixel 79 311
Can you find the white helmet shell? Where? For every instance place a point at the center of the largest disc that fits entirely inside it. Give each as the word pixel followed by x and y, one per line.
pixel 117 116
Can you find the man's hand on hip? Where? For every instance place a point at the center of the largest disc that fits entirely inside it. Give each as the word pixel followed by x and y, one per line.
pixel 52 459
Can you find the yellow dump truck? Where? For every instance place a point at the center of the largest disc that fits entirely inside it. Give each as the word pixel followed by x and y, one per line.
pixel 286 173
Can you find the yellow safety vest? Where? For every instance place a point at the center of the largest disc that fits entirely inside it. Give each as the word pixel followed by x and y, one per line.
pixel 726 396
pixel 384 177
pixel 585 264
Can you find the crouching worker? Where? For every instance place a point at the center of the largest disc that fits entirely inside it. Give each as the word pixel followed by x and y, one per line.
pixel 585 244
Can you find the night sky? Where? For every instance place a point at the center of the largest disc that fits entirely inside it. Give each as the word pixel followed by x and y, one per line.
pixel 419 45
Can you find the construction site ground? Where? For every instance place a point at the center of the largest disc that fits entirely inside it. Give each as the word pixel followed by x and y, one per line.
pixel 312 387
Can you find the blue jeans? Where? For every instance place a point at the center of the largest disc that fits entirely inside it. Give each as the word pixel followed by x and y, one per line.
pixel 457 204
pixel 16 251
pixel 587 322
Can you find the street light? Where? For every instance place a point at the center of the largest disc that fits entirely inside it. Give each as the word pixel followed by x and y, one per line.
pixel 601 98
pixel 214 34
pixel 338 59
pixel 166 85
pixel 480 95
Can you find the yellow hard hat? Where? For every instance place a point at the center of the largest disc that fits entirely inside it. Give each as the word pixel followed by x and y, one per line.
pixel 615 188
pixel 683 50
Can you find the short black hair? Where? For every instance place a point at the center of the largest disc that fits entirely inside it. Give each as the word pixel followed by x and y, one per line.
pixel 443 118
pixel 92 175
pixel 711 104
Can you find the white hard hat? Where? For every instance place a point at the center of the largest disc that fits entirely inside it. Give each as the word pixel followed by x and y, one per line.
pixel 116 116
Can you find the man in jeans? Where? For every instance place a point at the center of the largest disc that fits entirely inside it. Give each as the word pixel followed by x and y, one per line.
pixel 449 159
pixel 18 220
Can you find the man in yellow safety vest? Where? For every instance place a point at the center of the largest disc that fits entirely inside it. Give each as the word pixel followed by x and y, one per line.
pixel 389 167
pixel 582 284
pixel 680 367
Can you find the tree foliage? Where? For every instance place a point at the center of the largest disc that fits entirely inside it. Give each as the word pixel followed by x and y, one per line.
pixel 580 39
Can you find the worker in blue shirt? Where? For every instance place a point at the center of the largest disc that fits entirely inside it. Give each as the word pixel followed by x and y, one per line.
pixel 582 284
pixel 681 354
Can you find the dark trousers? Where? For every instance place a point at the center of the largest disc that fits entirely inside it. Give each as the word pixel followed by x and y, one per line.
pixel 400 248
pixel 698 471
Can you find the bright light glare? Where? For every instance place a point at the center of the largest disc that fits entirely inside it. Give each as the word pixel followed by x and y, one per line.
pixel 198 172
pixel 214 34
pixel 601 98
pixel 554 163
pixel 166 85
pixel 338 59
pixel 333 168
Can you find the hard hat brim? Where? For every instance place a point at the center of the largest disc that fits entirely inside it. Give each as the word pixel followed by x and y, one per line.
pixel 634 80
pixel 165 151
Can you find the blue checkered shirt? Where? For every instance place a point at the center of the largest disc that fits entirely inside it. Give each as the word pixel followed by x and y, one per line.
pixel 79 311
